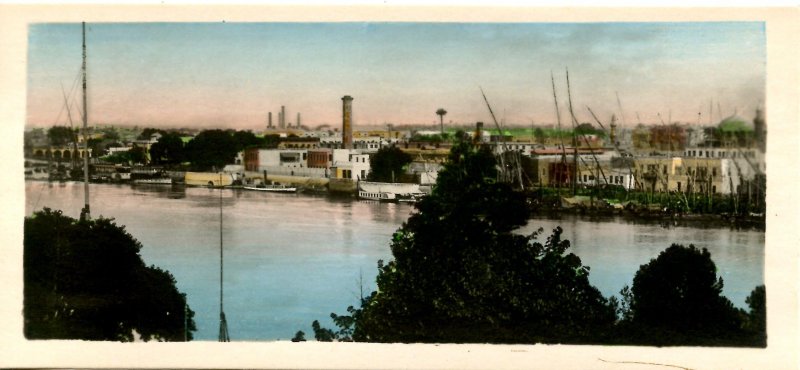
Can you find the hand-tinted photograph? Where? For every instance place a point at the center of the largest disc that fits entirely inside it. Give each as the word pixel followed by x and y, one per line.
pixel 396 182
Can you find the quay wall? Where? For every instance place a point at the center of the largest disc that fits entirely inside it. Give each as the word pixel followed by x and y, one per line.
pixel 208 179
pixel 342 186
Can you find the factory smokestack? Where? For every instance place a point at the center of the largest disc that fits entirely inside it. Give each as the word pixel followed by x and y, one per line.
pixel 283 117
pixel 298 120
pixel 347 122
pixel 269 120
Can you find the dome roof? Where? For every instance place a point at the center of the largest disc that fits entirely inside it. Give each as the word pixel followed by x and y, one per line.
pixel 736 123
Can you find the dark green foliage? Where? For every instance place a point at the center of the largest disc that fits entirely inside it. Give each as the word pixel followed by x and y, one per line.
pixel 213 149
pixel 134 155
pixel 110 134
pixel 246 139
pixel 459 274
pixel 148 132
pixel 61 135
pixel 271 141
pixel 300 336
pixel 436 138
pixel 539 134
pixel 387 164
pixel 97 146
pixel 757 317
pixel 86 280
pixel 461 135
pixel 168 150
pixel 677 299
pixel 322 334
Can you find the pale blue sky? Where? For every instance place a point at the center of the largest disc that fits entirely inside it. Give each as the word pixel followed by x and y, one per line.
pixel 233 74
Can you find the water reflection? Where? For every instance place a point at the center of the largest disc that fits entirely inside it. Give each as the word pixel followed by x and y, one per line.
pixel 295 258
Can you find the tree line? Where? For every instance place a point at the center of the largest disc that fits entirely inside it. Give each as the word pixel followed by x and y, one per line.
pixel 461 274
pixel 208 150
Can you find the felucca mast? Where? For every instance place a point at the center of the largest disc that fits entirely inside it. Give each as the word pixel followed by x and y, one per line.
pixel 85 213
pixel 223 323
pixel 574 139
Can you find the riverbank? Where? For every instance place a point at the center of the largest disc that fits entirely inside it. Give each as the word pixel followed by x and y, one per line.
pixel 757 223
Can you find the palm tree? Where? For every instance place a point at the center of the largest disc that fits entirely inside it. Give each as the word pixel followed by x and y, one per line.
pixel 441 112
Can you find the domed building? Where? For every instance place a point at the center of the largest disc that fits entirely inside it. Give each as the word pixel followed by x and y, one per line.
pixel 736 123
pixel 736 131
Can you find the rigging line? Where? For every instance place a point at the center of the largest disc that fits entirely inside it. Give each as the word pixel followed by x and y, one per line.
pixel 592 149
pixel 500 132
pixel 41 190
pixel 558 118
pixel 621 112
pixel 574 138
pixel 616 145
pixel 74 85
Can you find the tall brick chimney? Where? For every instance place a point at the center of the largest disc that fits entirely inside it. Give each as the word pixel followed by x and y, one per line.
pixel 347 122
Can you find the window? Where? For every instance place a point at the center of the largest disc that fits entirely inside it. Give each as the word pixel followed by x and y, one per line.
pixel 679 186
pixel 363 174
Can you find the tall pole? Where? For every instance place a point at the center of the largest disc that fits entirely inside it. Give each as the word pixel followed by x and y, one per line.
pixel 85 213
pixel 560 136
pixel 574 138
pixel 223 324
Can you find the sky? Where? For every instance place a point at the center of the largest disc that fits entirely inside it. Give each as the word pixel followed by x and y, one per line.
pixel 233 74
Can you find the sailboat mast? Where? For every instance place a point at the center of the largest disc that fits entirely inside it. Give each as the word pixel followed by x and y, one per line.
pixel 85 213
pixel 574 139
pixel 223 323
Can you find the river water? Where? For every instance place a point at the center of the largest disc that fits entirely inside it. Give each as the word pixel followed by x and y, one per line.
pixel 294 258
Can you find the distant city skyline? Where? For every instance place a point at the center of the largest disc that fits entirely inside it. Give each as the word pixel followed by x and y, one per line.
pixel 232 75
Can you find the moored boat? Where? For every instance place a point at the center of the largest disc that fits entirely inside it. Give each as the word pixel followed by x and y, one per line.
pixel 410 197
pixel 380 196
pixel 276 188
pixel 154 181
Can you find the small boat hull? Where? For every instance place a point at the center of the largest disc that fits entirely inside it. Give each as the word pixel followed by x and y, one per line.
pixel 164 181
pixel 272 188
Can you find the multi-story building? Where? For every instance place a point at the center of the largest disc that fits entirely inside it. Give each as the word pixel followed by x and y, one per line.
pixel 350 164
pixel 690 174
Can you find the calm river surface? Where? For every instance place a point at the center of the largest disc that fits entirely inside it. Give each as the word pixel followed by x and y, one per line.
pixel 291 258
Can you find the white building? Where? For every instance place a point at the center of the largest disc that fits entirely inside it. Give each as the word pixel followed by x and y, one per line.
pixel 350 164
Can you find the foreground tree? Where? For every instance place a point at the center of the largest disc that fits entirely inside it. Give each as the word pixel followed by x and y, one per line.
pixel 86 280
pixel 757 317
pixel 677 298
pixel 460 274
